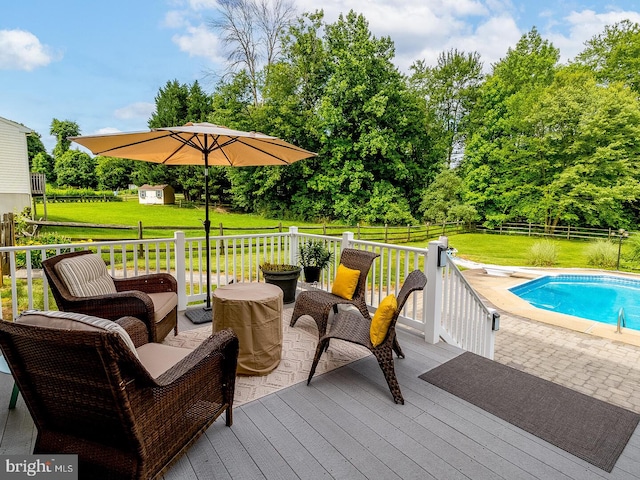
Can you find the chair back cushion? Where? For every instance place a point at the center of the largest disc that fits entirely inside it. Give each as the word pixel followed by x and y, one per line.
pixel 85 276
pixel 74 321
pixel 382 319
pixel 346 282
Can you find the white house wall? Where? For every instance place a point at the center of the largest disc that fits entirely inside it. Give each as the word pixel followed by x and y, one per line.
pixel 15 181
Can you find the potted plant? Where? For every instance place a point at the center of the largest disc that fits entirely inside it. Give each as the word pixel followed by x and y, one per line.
pixel 314 256
pixel 283 275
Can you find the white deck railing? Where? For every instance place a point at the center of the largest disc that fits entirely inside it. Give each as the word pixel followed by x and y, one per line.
pixel 448 309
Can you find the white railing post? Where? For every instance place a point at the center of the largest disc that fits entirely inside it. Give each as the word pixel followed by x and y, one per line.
pixel 181 270
pixel 293 245
pixel 433 296
pixel 347 240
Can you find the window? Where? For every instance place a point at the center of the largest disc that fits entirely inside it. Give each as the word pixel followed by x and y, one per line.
pixel 143 194
pixel 158 193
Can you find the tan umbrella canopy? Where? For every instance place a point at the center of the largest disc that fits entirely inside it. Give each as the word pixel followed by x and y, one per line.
pixel 197 144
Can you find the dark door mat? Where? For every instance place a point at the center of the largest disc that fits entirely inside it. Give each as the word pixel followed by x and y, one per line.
pixel 586 427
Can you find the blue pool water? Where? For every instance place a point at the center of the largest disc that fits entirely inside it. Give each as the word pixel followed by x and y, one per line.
pixel 594 297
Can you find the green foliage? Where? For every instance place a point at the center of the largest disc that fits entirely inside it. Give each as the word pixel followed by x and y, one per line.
pixel 602 253
pixel 450 90
pixel 62 129
pixel 76 169
pixel 113 173
pixel 35 146
pixel 76 192
pixel 614 55
pixel 441 196
pixel 633 249
pixel 278 267
pixel 551 145
pixel 44 163
pixel 314 254
pixel 543 254
pixel 51 238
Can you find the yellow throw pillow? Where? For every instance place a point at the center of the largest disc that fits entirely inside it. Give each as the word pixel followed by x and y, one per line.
pixel 346 282
pixel 382 319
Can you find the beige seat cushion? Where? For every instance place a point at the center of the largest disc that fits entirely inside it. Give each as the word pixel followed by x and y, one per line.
pixel 163 303
pixel 74 321
pixel 85 275
pixel 157 358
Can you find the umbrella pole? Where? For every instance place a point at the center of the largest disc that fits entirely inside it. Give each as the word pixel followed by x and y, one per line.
pixel 207 225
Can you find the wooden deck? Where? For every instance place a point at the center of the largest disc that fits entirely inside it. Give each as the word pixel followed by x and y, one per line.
pixel 345 425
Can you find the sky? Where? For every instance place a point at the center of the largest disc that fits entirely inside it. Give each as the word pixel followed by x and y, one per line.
pixel 101 64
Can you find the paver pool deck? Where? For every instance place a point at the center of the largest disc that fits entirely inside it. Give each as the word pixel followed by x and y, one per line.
pixel 584 355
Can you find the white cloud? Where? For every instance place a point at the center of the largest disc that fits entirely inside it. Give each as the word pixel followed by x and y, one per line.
pixel 175 19
pixel 200 41
pixel 135 110
pixel 106 131
pixel 584 25
pixel 22 50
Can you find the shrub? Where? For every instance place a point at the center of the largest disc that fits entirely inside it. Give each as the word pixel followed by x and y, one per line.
pixel 602 253
pixel 36 255
pixel 543 254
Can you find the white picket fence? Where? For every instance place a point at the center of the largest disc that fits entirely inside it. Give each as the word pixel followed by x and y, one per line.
pixel 448 309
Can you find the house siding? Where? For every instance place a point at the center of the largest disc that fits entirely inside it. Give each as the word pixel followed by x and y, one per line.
pixel 15 181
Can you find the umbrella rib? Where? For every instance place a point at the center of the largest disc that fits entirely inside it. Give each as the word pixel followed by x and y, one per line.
pixel 139 142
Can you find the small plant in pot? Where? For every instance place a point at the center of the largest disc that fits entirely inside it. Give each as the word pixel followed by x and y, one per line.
pixel 284 276
pixel 314 256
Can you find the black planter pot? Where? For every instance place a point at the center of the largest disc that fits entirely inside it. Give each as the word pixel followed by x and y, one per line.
pixel 287 281
pixel 311 274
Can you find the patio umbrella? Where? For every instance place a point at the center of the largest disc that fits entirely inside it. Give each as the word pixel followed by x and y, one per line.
pixel 197 144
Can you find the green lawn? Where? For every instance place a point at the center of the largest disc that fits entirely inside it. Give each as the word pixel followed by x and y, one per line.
pixel 509 250
pixel 131 212
pixel 513 250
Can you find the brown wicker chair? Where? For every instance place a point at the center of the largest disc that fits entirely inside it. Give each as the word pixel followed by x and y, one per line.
pixel 144 297
pixel 92 393
pixel 353 327
pixel 318 303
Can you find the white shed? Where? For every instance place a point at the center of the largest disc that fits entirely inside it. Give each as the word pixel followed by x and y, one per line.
pixel 156 194
pixel 15 180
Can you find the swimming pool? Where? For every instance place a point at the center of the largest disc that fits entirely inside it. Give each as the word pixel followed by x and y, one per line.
pixel 594 297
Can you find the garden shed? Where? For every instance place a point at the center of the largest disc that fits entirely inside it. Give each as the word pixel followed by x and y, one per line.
pixel 156 195
pixel 15 180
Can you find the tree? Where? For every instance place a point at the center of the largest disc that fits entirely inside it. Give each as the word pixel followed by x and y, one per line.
pixel 62 129
pixel 614 55
pixel 442 200
pixel 337 92
pixel 493 154
pixel 44 163
pixel 450 91
pixel 76 169
pixel 251 32
pixel 371 125
pixel 583 160
pixel 34 146
pixel 113 173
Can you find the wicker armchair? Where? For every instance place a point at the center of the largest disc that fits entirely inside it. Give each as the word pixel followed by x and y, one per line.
pixel 151 298
pixel 126 407
pixel 352 327
pixel 318 303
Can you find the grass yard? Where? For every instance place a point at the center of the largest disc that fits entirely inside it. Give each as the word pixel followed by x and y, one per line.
pixel 513 250
pixel 131 212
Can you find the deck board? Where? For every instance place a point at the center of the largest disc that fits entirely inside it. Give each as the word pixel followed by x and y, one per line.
pixel 345 425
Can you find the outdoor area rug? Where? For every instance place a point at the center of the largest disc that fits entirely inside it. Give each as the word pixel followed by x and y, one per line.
pixel 298 347
pixel 586 427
